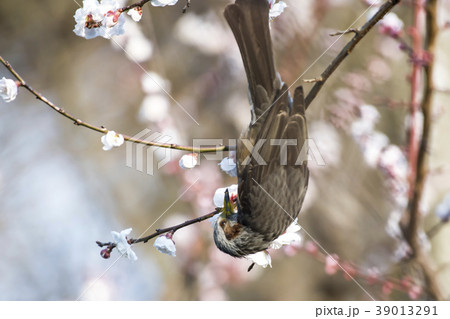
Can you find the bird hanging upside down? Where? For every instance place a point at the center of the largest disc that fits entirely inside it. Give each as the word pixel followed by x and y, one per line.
pixel 272 174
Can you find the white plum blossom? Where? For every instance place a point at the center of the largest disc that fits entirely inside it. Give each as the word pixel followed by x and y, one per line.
pixel 290 236
pixel 111 19
pixel 164 244
pixel 368 117
pixel 163 3
pixel 375 3
pixel 153 83
pixel 373 147
pixel 327 139
pixel 391 24
pixel 135 14
pixel 205 32
pixel 220 194
pixel 99 19
pixel 369 113
pixel 443 209
pixel 8 89
pixel 261 258
pixel 228 165
pixel 122 245
pixel 188 161
pixel 394 162
pixel 133 41
pixel 86 17
pixel 138 47
pixel 154 108
pixel 111 139
pixel 156 105
pixel 276 8
pixel 331 264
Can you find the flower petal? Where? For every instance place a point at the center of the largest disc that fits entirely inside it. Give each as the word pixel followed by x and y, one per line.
pixel 261 258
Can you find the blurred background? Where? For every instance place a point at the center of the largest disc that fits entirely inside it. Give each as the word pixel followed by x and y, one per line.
pixel 60 192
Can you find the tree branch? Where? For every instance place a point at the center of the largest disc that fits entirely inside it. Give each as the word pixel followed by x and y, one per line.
pixel 159 232
pixel 361 33
pixel 419 162
pixel 104 130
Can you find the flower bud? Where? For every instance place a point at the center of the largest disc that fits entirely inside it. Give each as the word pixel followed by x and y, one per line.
pixel 105 253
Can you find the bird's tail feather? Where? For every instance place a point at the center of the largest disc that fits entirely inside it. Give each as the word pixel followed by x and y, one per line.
pixel 249 21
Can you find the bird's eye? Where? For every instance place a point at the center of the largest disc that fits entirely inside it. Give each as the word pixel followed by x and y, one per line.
pixel 222 223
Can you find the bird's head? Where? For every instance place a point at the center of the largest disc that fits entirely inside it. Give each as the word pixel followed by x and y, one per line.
pixel 227 229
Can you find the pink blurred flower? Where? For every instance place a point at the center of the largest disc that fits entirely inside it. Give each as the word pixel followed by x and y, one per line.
pixel 414 292
pixel 391 25
pixel 311 248
pixel 331 264
pixel 373 275
pixel 349 271
pixel 386 289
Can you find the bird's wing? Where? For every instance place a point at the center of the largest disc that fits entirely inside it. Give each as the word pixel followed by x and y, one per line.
pixel 271 196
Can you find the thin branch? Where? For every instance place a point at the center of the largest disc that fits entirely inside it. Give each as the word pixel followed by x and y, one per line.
pixel 141 3
pixel 159 232
pixel 385 8
pixel 419 160
pixel 179 226
pixel 186 6
pixel 319 79
pixel 351 30
pixel 416 50
pixel 104 130
pixel 134 5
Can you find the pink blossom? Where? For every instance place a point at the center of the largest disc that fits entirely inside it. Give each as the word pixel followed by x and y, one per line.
pixel 311 248
pixel 349 271
pixel 391 25
pixel 373 275
pixel 414 292
pixel 387 288
pixel 331 264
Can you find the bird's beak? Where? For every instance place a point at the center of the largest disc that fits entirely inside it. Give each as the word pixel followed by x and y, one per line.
pixel 227 207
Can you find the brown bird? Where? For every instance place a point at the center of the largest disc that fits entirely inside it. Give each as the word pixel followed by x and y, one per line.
pixel 272 172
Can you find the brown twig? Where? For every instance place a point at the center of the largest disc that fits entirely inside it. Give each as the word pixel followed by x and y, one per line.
pixel 159 232
pixel 104 130
pixel 134 5
pixel 385 8
pixel 351 30
pixel 186 6
pixel 319 79
pixel 176 227
pixel 418 160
